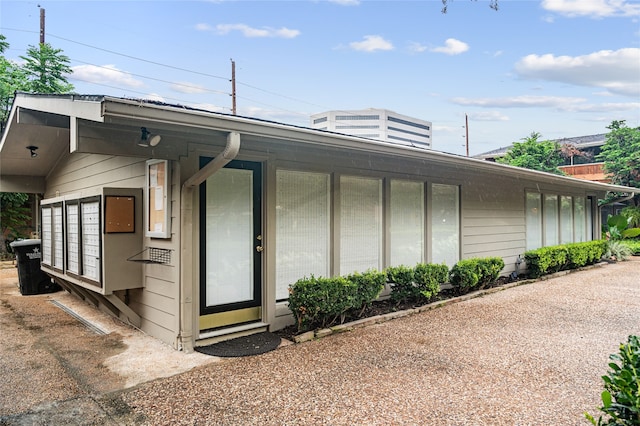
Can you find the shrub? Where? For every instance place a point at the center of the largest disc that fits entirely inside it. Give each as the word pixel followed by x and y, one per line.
pixel 620 399
pixel 546 260
pixel 616 250
pixel 368 288
pixel 428 277
pixel 321 301
pixel 634 246
pixel 469 274
pixel 465 275
pixel 401 281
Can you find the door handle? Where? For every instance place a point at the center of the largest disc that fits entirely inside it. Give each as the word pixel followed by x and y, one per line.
pixel 259 249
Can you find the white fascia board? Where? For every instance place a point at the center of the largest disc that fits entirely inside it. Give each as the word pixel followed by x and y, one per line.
pixel 69 105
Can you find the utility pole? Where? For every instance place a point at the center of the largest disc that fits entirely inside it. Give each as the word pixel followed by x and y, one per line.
pixel 466 128
pixel 41 24
pixel 233 87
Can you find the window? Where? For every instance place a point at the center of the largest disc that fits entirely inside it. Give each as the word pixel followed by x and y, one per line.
pixel 47 237
pixel 534 220
pixel 360 224
pixel 357 117
pixel 320 120
pixel 73 241
pixel 551 220
pixel 566 219
pixel 589 218
pixel 445 224
pixel 408 123
pixel 157 214
pixel 302 227
pixel 406 222
pixel 579 220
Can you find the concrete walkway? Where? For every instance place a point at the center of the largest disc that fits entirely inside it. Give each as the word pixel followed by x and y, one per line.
pixel 528 355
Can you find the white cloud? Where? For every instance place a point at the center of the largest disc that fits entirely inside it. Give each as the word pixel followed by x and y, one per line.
pixel 488 116
pixel 616 71
pixel 566 104
pixel 155 97
pixel 346 2
pixel 251 32
pixel 371 43
pixel 452 47
pixel 106 74
pixel 416 47
pixel 203 27
pixel 592 8
pixel 190 88
pixel 520 102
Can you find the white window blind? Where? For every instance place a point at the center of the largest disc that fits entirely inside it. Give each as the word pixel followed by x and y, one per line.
pixel 58 251
pixel 579 218
pixel 534 220
pixel 73 246
pixel 566 219
pixel 406 222
pixel 551 220
pixel 445 224
pixel 47 236
pixel 302 227
pixel 360 224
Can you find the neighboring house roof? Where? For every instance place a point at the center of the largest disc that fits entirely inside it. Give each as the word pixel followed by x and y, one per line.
pixel 579 141
pixel 59 124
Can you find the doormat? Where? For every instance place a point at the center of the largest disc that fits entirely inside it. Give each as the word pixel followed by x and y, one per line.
pixel 253 344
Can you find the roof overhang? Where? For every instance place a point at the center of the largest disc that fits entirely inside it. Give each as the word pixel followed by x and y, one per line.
pixel 109 125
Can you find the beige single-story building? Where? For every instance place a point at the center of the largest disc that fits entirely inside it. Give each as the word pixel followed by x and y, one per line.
pixel 192 224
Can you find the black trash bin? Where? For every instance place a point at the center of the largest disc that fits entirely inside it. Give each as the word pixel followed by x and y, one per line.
pixel 31 278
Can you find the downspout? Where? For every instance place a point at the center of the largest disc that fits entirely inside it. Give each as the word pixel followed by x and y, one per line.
pixel 186 238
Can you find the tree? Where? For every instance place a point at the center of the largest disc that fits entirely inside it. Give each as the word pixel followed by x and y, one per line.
pixel 544 156
pixel 12 78
pixel 15 216
pixel 621 155
pixel 493 4
pixel 46 68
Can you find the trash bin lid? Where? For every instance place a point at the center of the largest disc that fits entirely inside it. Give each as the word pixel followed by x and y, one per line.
pixel 28 242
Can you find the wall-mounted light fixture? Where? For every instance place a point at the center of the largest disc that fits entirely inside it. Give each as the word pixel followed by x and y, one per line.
pixel 148 139
pixel 32 150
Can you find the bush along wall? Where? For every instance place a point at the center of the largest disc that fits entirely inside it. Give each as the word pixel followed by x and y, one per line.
pixel 475 273
pixel 323 302
pixel 547 260
pixel 417 285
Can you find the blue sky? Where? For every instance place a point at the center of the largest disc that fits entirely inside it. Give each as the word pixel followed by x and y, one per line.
pixel 561 68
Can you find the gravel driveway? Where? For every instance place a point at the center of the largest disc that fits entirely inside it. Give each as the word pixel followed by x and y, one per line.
pixel 529 355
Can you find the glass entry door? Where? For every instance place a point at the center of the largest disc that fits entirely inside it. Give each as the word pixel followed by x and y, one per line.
pixel 231 245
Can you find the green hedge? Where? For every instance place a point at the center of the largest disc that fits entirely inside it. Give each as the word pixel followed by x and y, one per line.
pixel 634 245
pixel 418 284
pixel 475 273
pixel 322 302
pixel 547 260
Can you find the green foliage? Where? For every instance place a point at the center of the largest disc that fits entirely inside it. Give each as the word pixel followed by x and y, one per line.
pixel 401 280
pixel 321 301
pixel 15 214
pixel 616 250
pixel 369 285
pixel 547 260
pixel 475 273
pixel 618 228
pixel 634 246
pixel 620 399
pixel 419 284
pixel 632 213
pixel 544 156
pixel 428 277
pixel 621 154
pixel 46 69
